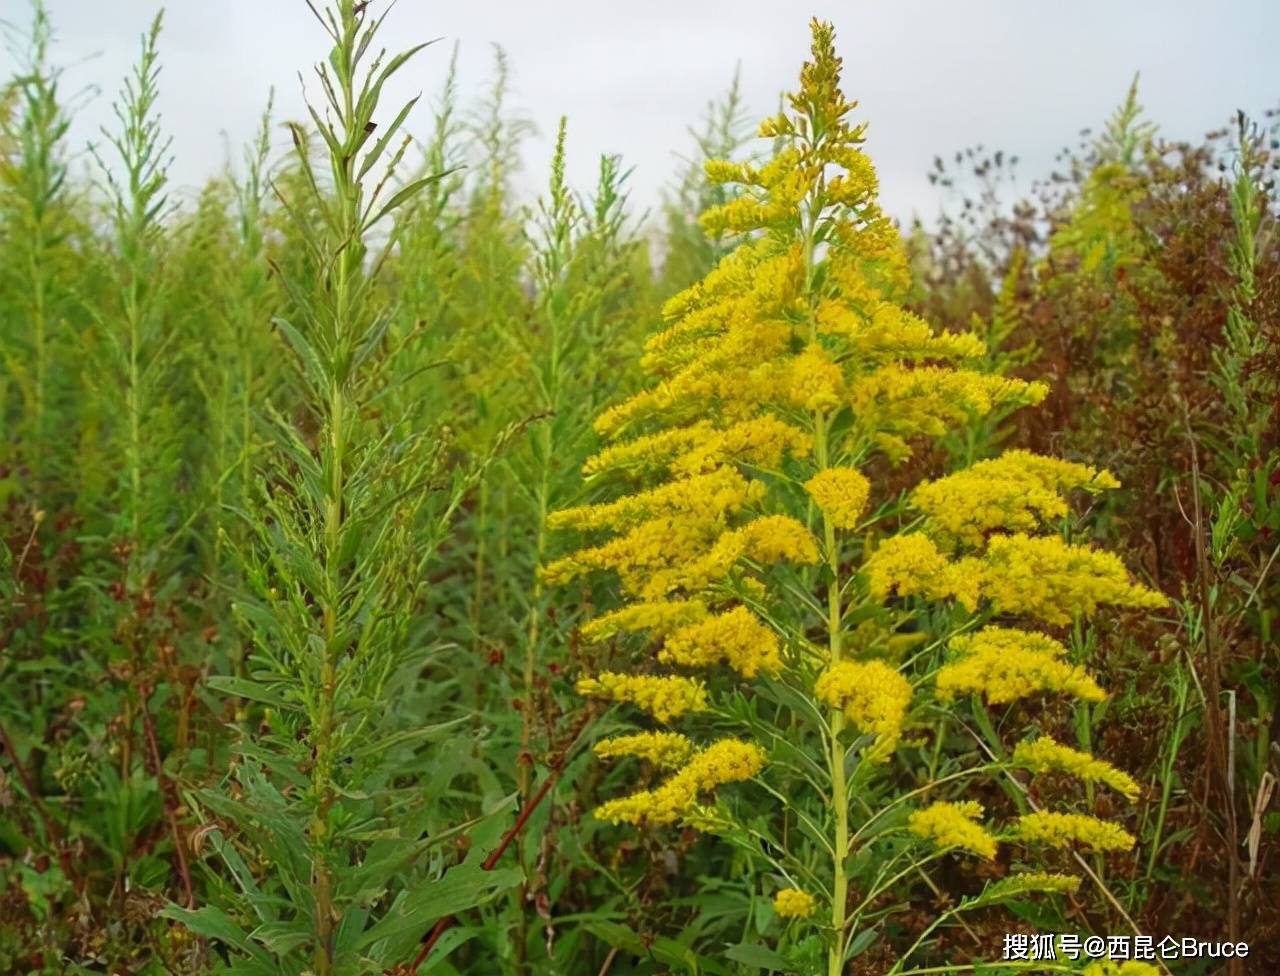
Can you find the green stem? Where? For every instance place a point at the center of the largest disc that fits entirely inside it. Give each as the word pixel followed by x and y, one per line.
pixel 839 783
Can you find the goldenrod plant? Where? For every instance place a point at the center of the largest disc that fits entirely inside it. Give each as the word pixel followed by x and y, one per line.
pixel 386 586
pixel 810 633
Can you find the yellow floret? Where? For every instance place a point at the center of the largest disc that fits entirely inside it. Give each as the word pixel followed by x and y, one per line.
pixel 873 696
pixel 1065 829
pixel 840 494
pixel 666 750
pixel 1005 665
pixel 1045 755
pixel 726 761
pixel 953 825
pixel 737 638
pixel 664 697
pixel 793 903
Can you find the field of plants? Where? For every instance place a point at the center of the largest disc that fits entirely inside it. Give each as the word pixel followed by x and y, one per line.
pixel 399 576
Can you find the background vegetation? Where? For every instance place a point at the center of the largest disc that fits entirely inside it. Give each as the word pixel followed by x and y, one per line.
pixel 279 680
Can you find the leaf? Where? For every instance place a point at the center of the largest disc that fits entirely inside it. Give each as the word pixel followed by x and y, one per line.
pixel 418 908
pixel 246 688
pixel 407 735
pixel 761 957
pixel 214 923
pixel 404 194
pixel 283 937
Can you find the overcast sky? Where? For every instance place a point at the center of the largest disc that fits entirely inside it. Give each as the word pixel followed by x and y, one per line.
pixel 632 75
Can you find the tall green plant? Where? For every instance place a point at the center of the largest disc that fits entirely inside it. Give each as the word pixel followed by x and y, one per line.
pixel 39 261
pixel 337 866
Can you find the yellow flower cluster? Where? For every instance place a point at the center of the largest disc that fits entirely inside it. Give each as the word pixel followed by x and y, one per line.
pixel 714 495
pixel 953 825
pixel 813 381
pixel 1030 882
pixel 666 750
pixel 891 333
pixel 908 565
pixel 1065 829
pixel 657 618
pixel 1046 755
pixel 1036 576
pixel 1006 664
pixel 793 903
pixel 725 761
pixel 840 494
pixel 897 402
pixel 662 696
pixel 700 447
pixel 688 552
pixel 1017 491
pixel 873 696
pixel 1054 581
pixel 737 638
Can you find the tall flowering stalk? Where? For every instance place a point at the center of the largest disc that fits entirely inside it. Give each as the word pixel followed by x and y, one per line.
pixel 776 589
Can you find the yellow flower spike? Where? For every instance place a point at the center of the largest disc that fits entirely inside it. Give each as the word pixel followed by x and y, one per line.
pixel 657 619
pixel 648 453
pixel 713 495
pixel 644 552
pixel 1054 581
pixel 1065 829
pixel 1046 755
pixel 873 696
pixel 909 564
pixel 778 538
pixel 840 494
pixel 793 903
pixel 901 402
pixel 663 697
pixel 724 171
pixel 1030 882
pixel 666 750
pixel 725 761
pixel 813 382
pixel 737 638
pixel 1017 491
pixel 949 825
pixel 761 441
pixel 1006 664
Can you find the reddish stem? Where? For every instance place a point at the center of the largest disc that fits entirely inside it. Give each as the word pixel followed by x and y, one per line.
pixel 490 862
pixel 169 792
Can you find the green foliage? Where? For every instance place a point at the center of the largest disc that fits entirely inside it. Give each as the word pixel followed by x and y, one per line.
pixel 281 690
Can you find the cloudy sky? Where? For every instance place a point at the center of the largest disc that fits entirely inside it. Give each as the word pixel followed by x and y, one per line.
pixel 632 75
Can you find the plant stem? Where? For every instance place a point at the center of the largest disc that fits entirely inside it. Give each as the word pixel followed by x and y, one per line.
pixel 839 784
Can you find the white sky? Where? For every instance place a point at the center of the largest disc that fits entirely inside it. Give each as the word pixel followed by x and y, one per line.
pixel 932 77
